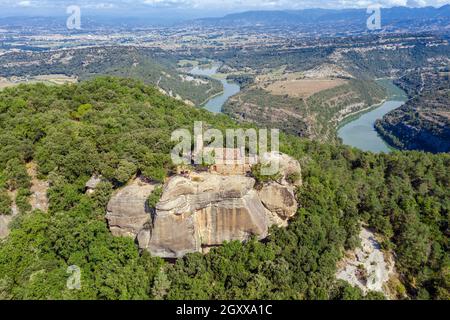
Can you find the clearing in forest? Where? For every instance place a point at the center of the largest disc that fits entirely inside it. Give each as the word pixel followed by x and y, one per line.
pixel 303 88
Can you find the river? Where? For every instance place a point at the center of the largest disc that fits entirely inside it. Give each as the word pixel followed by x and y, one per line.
pixel 230 88
pixel 360 132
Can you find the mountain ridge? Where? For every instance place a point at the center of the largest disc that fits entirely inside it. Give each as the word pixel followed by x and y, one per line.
pixel 394 15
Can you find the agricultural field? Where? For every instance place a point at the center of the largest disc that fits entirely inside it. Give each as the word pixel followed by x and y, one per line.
pixel 303 88
pixel 52 79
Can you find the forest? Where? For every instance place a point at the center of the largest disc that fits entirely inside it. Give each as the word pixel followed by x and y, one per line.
pixel 120 127
pixel 152 66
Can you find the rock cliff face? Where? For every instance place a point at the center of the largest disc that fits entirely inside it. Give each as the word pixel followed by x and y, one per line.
pixel 199 211
pixel 128 211
pixel 423 122
pixel 367 267
pixel 204 210
pixel 423 134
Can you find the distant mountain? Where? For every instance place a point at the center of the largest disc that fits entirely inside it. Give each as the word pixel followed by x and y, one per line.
pixel 397 17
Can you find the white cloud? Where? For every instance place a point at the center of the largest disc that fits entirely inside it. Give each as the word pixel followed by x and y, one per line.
pixel 218 4
pixel 25 3
pixel 290 4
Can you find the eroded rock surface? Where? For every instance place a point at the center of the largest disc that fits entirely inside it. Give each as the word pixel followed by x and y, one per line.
pixel 4 223
pixel 289 168
pixel 128 211
pixel 204 210
pixel 367 267
pixel 279 199
pixel 38 199
pixel 201 210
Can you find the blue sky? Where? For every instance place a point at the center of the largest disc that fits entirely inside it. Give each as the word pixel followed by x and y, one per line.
pixel 191 7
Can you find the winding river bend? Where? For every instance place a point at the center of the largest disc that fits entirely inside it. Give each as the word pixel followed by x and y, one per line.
pixel 360 132
pixel 216 103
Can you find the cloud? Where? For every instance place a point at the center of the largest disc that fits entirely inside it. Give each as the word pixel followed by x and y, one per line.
pixel 416 3
pixel 289 4
pixel 25 3
pixel 216 4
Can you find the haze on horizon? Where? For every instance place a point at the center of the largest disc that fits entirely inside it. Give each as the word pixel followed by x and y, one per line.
pixel 188 8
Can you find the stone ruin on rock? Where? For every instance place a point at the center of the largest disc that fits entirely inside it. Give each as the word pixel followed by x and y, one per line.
pixel 200 210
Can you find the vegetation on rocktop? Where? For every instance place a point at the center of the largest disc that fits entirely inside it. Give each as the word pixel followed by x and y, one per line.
pixel 120 127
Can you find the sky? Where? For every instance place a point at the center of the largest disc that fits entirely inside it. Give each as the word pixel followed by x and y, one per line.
pixel 190 7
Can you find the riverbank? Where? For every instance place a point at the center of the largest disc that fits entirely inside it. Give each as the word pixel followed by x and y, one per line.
pixel 355 115
pixel 358 130
pixel 216 102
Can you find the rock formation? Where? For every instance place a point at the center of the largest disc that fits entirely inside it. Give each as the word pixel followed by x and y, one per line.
pixel 289 169
pixel 201 210
pixel 279 199
pixel 367 268
pixel 204 210
pixel 92 184
pixel 128 211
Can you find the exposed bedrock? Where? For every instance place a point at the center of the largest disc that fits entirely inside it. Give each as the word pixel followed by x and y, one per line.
pixel 128 211
pixel 199 211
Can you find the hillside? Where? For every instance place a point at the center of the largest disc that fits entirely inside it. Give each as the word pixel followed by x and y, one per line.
pixel 315 115
pixel 119 128
pixel 152 66
pixel 423 123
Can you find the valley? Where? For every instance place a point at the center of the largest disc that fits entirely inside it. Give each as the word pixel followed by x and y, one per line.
pixel 423 122
pixel 92 176
pixel 359 130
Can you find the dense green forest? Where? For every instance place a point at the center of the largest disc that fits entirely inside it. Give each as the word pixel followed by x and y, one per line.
pixel 120 127
pixel 151 66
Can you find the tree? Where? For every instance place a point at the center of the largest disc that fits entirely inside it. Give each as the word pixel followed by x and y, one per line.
pixel 5 203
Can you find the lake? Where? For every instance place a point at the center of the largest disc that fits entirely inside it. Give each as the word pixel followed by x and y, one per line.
pixel 360 132
pixel 230 88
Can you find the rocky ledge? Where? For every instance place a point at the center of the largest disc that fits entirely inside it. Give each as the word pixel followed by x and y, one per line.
pixel 202 210
pixel 368 267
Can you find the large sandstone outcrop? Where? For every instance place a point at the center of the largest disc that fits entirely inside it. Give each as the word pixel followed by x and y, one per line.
pixel 201 210
pixel 204 210
pixel 279 199
pixel 128 211
pixel 289 168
